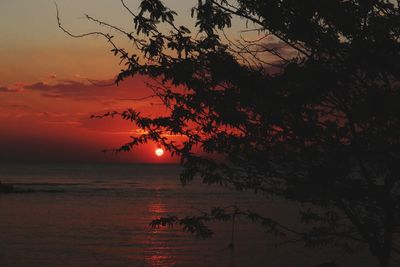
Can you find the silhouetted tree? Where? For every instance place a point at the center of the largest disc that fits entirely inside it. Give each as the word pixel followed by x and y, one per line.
pixel 303 104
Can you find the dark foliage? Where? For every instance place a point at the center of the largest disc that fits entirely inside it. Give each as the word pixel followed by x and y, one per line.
pixel 309 110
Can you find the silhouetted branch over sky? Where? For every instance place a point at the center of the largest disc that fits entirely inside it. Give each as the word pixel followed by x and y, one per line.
pixel 302 103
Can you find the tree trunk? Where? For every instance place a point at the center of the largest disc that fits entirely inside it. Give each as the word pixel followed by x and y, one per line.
pixel 383 258
pixel 383 262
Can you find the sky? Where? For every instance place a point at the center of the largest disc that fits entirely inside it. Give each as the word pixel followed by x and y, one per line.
pixel 51 83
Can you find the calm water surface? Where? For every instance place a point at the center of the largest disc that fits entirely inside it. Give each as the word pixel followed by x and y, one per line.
pixel 102 219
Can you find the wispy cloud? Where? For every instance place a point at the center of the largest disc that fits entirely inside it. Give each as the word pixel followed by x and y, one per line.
pixel 4 89
pixel 90 90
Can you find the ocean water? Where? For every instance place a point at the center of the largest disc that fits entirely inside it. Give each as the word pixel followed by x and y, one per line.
pixel 101 218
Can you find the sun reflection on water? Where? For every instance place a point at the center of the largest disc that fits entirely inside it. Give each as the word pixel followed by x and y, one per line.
pixel 160 260
pixel 159 253
pixel 157 209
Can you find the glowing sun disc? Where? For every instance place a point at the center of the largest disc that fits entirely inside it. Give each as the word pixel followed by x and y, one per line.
pixel 159 152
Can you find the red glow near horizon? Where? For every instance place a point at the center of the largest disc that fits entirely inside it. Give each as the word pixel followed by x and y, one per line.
pixel 57 116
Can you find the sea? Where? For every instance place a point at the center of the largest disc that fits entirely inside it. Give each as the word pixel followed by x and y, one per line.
pixel 99 215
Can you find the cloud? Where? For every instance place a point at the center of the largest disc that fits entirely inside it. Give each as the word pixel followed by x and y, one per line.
pixel 4 89
pixel 16 106
pixel 91 90
pixel 132 92
pixel 69 89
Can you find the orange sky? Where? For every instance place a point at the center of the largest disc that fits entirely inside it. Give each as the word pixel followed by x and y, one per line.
pixel 45 97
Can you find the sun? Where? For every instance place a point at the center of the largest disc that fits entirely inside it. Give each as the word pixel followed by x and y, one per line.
pixel 159 152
